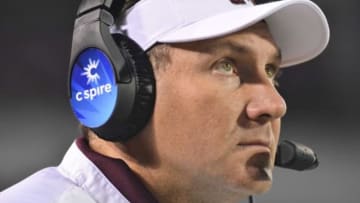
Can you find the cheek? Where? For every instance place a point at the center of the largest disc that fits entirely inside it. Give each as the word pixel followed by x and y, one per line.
pixel 196 117
pixel 276 126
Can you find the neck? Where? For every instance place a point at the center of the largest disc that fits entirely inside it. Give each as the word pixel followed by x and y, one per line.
pixel 171 188
pixel 165 183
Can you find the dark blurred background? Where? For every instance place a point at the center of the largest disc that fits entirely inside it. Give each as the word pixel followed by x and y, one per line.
pixel 37 125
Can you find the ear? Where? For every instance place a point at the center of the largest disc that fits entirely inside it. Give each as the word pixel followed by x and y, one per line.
pixel 160 58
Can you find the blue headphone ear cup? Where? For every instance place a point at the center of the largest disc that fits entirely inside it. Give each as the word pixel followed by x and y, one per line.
pixel 142 72
pixel 111 82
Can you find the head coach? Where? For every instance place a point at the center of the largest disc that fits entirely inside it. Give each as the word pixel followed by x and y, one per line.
pixel 177 99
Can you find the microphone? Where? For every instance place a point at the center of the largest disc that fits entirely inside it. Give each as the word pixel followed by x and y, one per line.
pixel 295 156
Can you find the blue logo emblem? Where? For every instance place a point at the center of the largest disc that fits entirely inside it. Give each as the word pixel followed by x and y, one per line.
pixel 93 88
pixel 92 77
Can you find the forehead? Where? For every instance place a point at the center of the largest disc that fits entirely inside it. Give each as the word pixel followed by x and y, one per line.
pixel 245 40
pixel 252 36
pixel 259 29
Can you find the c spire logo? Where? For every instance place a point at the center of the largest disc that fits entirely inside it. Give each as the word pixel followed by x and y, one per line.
pixel 88 72
pixel 92 78
pixel 92 67
pixel 93 87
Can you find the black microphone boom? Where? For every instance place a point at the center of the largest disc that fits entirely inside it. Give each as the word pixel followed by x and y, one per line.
pixel 295 156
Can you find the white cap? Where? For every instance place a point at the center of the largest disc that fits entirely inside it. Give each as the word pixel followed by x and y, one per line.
pixel 299 27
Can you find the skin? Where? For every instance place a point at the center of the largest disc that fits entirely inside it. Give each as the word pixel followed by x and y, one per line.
pixel 216 122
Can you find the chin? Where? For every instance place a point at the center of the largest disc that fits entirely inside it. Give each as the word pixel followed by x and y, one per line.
pixel 260 180
pixel 260 187
pixel 247 184
pixel 255 184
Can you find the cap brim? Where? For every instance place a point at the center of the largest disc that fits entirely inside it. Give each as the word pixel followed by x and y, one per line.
pixel 299 28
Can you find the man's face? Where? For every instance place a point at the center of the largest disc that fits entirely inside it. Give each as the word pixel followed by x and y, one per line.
pixel 217 115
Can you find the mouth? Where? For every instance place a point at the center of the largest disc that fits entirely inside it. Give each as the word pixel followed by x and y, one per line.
pixel 264 144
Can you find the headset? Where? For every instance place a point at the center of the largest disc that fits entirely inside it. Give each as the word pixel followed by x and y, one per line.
pixel 111 81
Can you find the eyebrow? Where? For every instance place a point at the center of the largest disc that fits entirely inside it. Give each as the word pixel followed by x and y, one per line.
pixel 237 47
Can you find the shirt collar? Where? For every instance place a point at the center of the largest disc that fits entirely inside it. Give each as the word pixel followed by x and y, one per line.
pixel 118 173
pixel 106 179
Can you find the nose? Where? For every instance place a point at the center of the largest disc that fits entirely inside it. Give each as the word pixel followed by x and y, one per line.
pixel 265 103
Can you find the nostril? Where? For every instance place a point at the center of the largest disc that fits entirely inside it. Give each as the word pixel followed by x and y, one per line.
pixel 263 118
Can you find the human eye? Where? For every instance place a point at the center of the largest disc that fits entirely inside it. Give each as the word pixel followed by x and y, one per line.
pixel 226 67
pixel 273 73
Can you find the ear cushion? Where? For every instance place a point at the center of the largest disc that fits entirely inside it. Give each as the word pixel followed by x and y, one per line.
pixel 141 70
